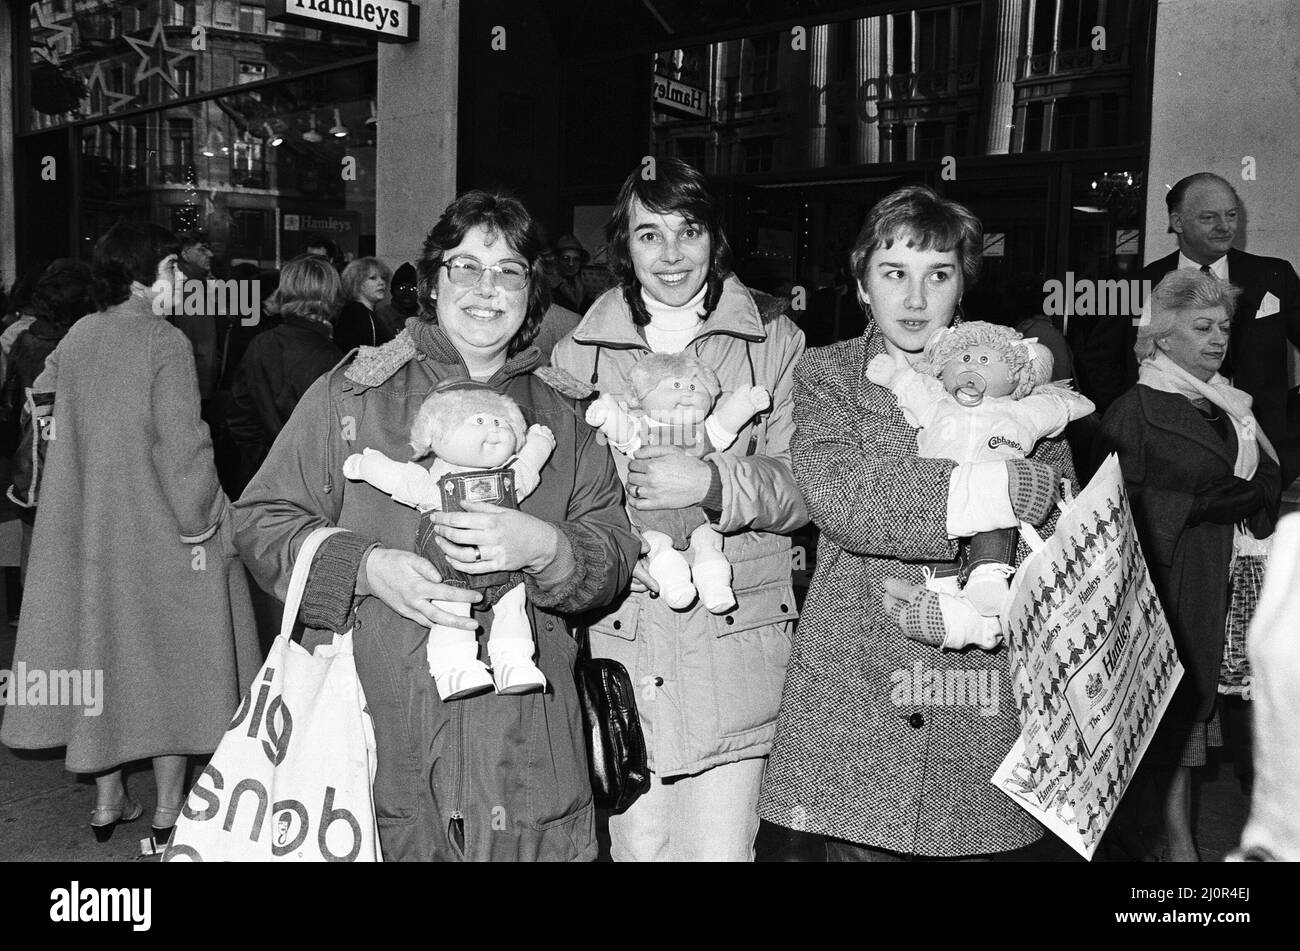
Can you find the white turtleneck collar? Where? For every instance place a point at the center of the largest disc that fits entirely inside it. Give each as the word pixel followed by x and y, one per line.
pixel 671 329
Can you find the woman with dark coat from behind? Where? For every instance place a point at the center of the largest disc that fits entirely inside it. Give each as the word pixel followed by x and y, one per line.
pixel 1195 465
pixel 282 363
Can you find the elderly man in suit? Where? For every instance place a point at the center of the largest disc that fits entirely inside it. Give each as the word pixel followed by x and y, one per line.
pixel 1204 212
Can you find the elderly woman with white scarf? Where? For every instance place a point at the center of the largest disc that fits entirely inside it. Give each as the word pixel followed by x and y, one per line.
pixel 1204 482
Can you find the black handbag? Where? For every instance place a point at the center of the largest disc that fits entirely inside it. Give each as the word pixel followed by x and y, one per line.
pixel 620 770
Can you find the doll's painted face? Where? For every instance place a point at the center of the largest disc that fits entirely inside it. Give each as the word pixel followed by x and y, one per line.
pixel 677 399
pixel 976 374
pixel 481 441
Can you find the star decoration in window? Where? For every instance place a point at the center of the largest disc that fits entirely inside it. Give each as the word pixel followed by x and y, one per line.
pixel 46 36
pixel 113 100
pixel 157 58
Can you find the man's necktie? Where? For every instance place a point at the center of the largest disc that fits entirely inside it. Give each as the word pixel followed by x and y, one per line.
pixel 1226 367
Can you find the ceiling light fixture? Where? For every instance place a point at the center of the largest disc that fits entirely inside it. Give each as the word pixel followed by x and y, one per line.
pixel 338 130
pixel 273 138
pixel 311 135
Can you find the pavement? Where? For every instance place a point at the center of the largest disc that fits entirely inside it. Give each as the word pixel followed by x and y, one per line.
pixel 45 810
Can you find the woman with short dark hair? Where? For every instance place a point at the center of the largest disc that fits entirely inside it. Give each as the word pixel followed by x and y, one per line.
pixel 491 776
pixel 711 681
pixel 133 577
pixel 860 756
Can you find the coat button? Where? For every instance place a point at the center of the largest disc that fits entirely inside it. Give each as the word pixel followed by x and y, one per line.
pixel 916 721
pixel 618 625
pixel 550 625
pixel 659 681
pixel 784 608
pixel 730 620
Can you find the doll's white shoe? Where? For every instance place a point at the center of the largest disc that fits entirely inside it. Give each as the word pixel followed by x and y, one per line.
pixel 713 581
pixel 457 671
pixel 986 588
pixel 513 670
pixel 462 680
pixel 672 572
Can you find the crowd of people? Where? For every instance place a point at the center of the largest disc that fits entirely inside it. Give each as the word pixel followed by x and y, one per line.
pixel 756 708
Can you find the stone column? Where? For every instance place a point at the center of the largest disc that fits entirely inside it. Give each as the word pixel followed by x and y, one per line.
pixel 867 74
pixel 818 70
pixel 1006 47
pixel 415 155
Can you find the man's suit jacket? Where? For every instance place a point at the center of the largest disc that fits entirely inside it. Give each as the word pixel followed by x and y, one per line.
pixel 1257 351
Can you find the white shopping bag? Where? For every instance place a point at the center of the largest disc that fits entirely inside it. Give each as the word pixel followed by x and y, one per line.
pixel 1093 665
pixel 291 778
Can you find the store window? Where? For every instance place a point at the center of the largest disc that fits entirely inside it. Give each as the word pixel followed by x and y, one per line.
pixel 910 85
pixel 1072 123
pixel 163 132
pixel 91 60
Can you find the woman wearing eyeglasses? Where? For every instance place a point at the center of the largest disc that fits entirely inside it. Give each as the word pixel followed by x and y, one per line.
pixel 491 776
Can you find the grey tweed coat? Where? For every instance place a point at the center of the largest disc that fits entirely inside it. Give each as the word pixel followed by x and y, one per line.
pixel 856 757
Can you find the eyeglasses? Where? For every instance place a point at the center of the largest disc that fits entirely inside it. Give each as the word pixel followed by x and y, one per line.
pixel 468 272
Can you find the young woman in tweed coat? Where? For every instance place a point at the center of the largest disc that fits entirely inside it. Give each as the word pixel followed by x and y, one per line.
pixel 880 770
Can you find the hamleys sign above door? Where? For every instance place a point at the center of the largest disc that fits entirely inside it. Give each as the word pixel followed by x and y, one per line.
pixel 391 21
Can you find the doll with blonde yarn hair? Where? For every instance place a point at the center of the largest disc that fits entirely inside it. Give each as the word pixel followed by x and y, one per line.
pixel 980 393
pixel 675 401
pixel 469 428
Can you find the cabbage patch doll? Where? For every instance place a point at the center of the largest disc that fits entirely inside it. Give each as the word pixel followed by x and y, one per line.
pixel 674 401
pixel 481 450
pixel 980 393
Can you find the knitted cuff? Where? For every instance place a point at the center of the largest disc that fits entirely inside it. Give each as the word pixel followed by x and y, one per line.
pixel 1033 489
pixel 331 584
pixel 712 502
pixel 579 590
pixel 922 619
pixel 561 566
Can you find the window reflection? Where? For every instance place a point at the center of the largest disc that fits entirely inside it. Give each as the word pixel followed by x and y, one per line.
pixel 908 85
pixel 214 135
